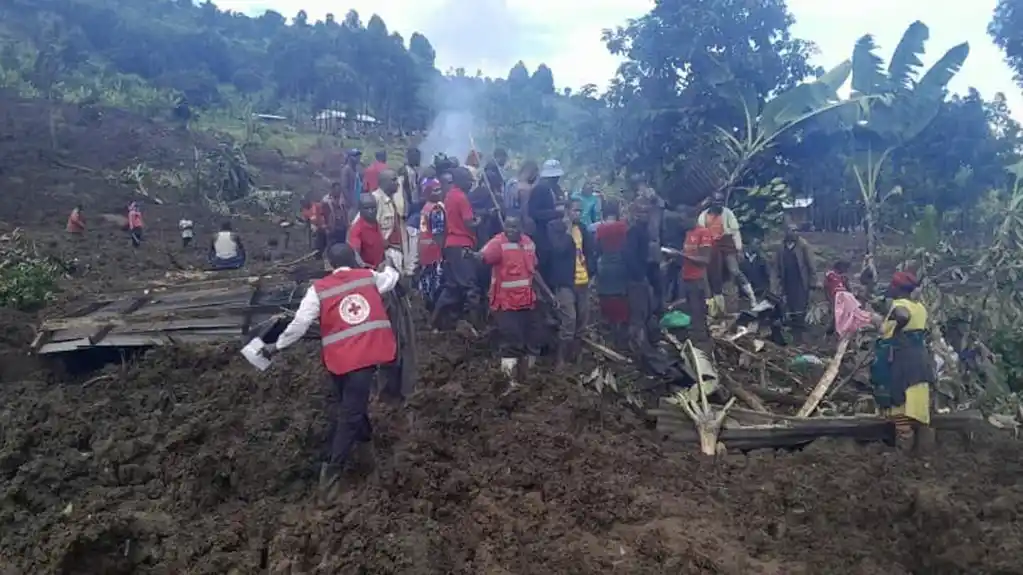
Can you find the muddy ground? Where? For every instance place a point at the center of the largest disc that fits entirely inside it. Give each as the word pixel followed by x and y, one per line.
pixel 188 461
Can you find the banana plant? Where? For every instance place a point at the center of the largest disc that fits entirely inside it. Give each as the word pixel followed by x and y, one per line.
pixel 894 106
pixel 763 125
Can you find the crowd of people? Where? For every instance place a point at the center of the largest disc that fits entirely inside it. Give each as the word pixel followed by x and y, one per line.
pixel 519 252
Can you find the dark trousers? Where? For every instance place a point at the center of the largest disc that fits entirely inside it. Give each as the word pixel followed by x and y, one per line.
pixel 640 309
pixel 136 237
pixel 458 281
pixel 695 292
pixel 351 424
pixel 515 331
pixel 319 241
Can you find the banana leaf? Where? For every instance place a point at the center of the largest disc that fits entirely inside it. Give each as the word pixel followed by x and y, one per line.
pixel 700 368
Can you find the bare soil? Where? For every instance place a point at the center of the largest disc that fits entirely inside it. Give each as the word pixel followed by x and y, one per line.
pixel 188 461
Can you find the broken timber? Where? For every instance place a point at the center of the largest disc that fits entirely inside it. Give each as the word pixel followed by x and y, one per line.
pixel 196 312
pixel 746 430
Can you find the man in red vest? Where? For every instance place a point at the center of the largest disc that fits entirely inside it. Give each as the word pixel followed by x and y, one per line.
pixel 512 298
pixel 356 338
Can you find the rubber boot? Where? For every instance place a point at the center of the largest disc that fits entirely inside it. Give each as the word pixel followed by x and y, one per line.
pixel 329 474
pixel 508 367
pixel 748 290
pixel 719 305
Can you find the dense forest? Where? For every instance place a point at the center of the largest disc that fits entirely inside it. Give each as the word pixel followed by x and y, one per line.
pixel 688 76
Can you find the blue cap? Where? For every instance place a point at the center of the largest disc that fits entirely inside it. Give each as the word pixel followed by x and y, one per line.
pixel 355 152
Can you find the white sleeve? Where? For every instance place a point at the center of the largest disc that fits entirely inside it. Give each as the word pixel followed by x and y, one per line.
pixel 734 229
pixel 385 280
pixel 308 312
pixel 702 220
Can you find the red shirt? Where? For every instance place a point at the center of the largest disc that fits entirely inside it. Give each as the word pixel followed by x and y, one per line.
pixel 696 239
pixel 367 241
pixel 456 203
pixel 371 178
pixel 610 236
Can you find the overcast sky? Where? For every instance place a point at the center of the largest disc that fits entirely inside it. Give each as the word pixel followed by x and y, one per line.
pixel 565 34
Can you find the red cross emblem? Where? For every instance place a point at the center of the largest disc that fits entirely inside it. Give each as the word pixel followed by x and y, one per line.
pixel 354 308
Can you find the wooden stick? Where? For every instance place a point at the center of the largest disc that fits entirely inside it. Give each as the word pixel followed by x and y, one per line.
pixel 829 376
pixel 307 257
pixel 747 397
pixel 605 351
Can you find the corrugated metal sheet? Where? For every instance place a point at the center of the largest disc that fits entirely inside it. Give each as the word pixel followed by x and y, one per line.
pixel 188 313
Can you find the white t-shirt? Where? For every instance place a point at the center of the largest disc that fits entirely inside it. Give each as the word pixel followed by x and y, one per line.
pixel 224 245
pixel 187 228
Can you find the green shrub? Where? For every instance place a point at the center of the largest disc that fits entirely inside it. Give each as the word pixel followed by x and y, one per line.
pixel 27 280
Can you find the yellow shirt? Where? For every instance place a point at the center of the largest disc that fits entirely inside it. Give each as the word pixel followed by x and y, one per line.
pixel 917 318
pixel 581 275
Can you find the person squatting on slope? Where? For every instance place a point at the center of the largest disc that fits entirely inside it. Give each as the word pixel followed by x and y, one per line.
pixel 187 228
pixel 76 221
pixel 512 256
pixel 356 339
pixel 226 250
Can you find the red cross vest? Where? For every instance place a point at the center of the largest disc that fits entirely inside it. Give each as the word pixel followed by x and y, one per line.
pixel 355 331
pixel 511 284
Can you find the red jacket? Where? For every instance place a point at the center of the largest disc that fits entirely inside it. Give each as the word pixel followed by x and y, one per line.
pixel 355 331
pixel 367 241
pixel 511 284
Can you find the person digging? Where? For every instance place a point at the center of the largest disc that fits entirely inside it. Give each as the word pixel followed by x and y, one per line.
pixel 356 339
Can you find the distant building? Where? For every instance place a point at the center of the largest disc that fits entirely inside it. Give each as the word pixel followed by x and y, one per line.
pixel 799 212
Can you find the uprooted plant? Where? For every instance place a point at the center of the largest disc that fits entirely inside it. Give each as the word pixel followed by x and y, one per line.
pixel 27 279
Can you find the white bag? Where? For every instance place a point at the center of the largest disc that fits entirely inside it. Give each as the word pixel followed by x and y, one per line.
pixel 251 353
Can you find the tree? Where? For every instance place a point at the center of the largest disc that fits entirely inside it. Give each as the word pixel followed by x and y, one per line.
pixel 668 107
pixel 898 105
pixel 1006 28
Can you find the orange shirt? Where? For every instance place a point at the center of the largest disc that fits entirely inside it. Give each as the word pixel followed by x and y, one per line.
pixel 696 239
pixel 716 226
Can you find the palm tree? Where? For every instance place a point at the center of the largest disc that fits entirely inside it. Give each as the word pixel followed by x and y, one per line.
pixel 895 106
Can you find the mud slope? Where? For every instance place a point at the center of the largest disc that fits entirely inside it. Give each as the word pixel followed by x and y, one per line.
pixel 190 463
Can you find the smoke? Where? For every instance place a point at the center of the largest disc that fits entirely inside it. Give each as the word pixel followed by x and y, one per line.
pixel 450 134
pixel 474 35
